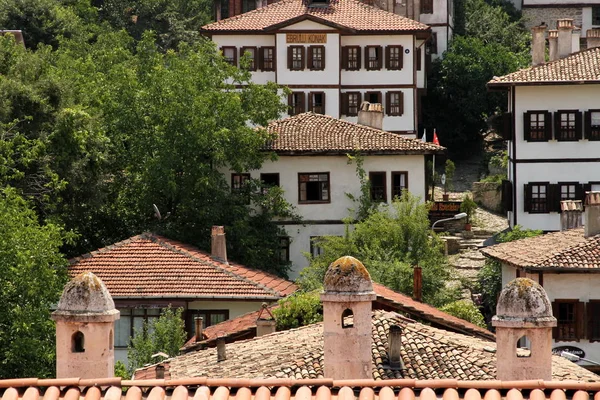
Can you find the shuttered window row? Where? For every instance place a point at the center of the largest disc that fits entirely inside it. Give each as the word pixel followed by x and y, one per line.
pixel 394 102
pixel 260 58
pixel 374 57
pixel 576 320
pixel 562 125
pixel 545 197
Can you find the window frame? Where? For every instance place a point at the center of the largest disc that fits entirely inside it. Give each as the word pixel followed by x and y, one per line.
pixel 391 108
pixel 233 61
pixel 592 303
pixel 577 324
pixel 433 43
pixel 546 133
pixel 346 103
pixel 311 57
pixel 284 245
pixel 265 186
pixel 399 63
pixel 299 107
pixel 382 174
pixel 254 51
pixel 419 56
pixel 529 198
pixel 263 61
pixel 190 315
pixel 559 131
pixel 291 54
pixel 369 93
pixel 127 312
pixel 374 64
pixel 426 7
pixel 596 15
pixel 346 58
pixel 592 132
pixel 395 191
pixel 313 247
pixel 245 177
pixel 311 103
pixel 320 201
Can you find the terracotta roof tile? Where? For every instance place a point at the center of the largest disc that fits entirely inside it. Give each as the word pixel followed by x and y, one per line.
pixel 427 353
pixel 568 250
pixel 345 14
pixel 151 265
pixel 316 133
pixel 583 66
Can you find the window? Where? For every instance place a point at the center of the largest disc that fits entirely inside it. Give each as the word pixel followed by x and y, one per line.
pixel 78 343
pixel 419 56
pixel 313 187
pixel 568 191
pixel 316 58
pixel 230 55
pixel 394 103
pixel 268 181
pixel 316 102
pixel 569 315
pixel 593 320
pixel 536 126
pixel 315 246
pixel 250 53
pixel 373 97
pixel 296 103
pixel 209 318
pixel 267 58
pixel 393 57
pixel 596 15
pixel 399 183
pixel 536 197
pixel 351 103
pixel 592 125
pixel 284 249
pixel 238 181
pixel 296 58
pixel 426 6
pixel 351 58
pixel 568 125
pixel 373 57
pixel 378 187
pixel 132 322
pixel 432 46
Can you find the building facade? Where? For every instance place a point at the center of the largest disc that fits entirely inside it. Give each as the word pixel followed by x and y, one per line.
pixel 332 56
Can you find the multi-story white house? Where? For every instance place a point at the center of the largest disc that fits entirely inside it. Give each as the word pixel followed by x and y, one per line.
pixel 314 171
pixel 553 132
pixel 332 55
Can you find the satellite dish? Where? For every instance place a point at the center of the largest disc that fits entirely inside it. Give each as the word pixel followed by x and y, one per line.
pixel 443 179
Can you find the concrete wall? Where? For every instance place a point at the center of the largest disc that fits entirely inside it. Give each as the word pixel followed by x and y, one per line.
pixel 488 195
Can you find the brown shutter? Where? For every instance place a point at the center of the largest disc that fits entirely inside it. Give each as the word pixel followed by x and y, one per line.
pixel 400 57
pixel 587 187
pixel 507 195
pixel 323 100
pixel 366 57
pixel 235 58
pixel 322 57
pixel 507 131
pixel 302 102
pixel 388 54
pixel 290 104
pixel 379 57
pixel 580 319
pixel 303 55
pixel 344 58
pixel 553 197
pixel 527 126
pixel 261 58
pixel 589 312
pixel 401 102
pixel 290 57
pixel 556 127
pixel 548 124
pixel 358 101
pixel 527 197
pixel 555 314
pixel 578 125
pixel 309 57
pixel 274 57
pixel 579 193
pixel 588 124
pixel 419 55
pixel 388 108
pixel 310 101
pixel 358 59
pixel 343 103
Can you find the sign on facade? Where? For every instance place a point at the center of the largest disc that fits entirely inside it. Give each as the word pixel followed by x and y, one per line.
pixel 443 209
pixel 569 349
pixel 306 38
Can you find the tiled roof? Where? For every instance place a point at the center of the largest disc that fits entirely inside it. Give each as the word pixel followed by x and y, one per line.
pixel 583 66
pixel 427 353
pixel 315 133
pixel 344 14
pixel 566 250
pixel 150 265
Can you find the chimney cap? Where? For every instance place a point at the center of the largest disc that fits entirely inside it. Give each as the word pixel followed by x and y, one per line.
pixel 564 23
pixel 571 205
pixel 524 300
pixel 347 274
pixel 592 198
pixel 218 230
pixel 86 294
pixel 553 33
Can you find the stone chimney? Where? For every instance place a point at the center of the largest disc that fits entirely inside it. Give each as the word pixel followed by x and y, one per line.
pixel 16 33
pixel 221 352
pixel 570 217
pixel 265 325
pixel 218 248
pixel 394 347
pixel 347 338
pixel 371 114
pixel 538 45
pixel 218 13
pixel 199 322
pixel 85 319
pixel 553 44
pixel 565 37
pixel 575 39
pixel 417 283
pixel 592 213
pixel 593 38
pixel 523 315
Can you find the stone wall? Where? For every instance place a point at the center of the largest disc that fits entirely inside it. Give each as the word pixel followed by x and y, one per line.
pixel 549 15
pixel 488 195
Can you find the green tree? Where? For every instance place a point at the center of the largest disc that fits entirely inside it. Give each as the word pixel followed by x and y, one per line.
pixel 164 334
pixel 32 276
pixel 299 309
pixel 466 310
pixel 390 242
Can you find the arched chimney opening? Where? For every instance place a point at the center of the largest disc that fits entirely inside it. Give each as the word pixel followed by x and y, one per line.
pixel 78 342
pixel 347 318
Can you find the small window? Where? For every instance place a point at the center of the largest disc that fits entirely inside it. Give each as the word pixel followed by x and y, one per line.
pixel 538 197
pixel 592 125
pixel 419 56
pixel 373 97
pixel 394 57
pixel 296 103
pixel 536 126
pixel 267 58
pixel 351 58
pixel 593 318
pixel 432 46
pixel 347 319
pixel 269 180
pixel 395 103
pixel 313 187
pixel 209 318
pixel 78 342
pixel 238 181
pixel 426 6
pixel 378 187
pixel 284 250
pixel 567 125
pixel 250 53
pixel 373 57
pixel 316 102
pixel 315 246
pixel 351 103
pixel 568 191
pixel 569 315
pixel 399 183
pixel 316 58
pixel 230 55
pixel 296 58
pixel 596 15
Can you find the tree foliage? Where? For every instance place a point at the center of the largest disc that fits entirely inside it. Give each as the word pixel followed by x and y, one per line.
pixel 390 242
pixel 299 309
pixel 466 310
pixel 32 276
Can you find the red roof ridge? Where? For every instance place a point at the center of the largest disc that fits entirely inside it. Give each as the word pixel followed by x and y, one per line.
pixel 109 247
pixel 255 11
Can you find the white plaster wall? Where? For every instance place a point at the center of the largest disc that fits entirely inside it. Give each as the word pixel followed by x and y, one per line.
pixel 404 122
pixel 383 76
pixel 421 82
pixel 260 77
pixel 561 3
pixel 329 76
pixel 332 99
pixel 586 20
pixel 442 40
pixel 440 13
pixel 307 25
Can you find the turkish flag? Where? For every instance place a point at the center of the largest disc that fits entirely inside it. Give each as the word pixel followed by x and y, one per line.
pixel 435 138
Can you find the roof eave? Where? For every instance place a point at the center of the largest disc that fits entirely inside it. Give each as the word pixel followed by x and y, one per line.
pixel 197 297
pixel 346 151
pixel 506 85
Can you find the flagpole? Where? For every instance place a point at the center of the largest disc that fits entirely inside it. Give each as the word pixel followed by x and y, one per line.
pixel 433 179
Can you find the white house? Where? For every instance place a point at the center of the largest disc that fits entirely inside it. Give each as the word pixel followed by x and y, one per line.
pixel 332 55
pixel 553 132
pixel 567 265
pixel 314 171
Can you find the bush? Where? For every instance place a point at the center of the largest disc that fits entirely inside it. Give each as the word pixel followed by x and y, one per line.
pixel 466 310
pixel 299 309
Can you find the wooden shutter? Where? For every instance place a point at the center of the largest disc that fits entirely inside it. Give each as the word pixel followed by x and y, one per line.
pixel 419 55
pixel 579 193
pixel 589 313
pixel 291 104
pixel 507 195
pixel 388 108
pixel 322 57
pixel 302 57
pixel 302 109
pixel 323 100
pixel 261 58
pixel 588 125
pixel 379 57
pixel 309 57
pixel 578 125
pixel 235 58
pixel 388 56
pixel 527 126
pixel 344 103
pixel 527 197
pixel 358 59
pixel 290 57
pixel 345 57
pixel 553 197
pixel 580 319
pixel 310 101
pixel 507 131
pixel 401 57
pixel 400 103
pixel 555 314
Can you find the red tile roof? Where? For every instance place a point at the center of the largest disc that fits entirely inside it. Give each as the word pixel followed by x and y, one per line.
pixel 350 15
pixel 568 250
pixel 580 67
pixel 311 133
pixel 150 265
